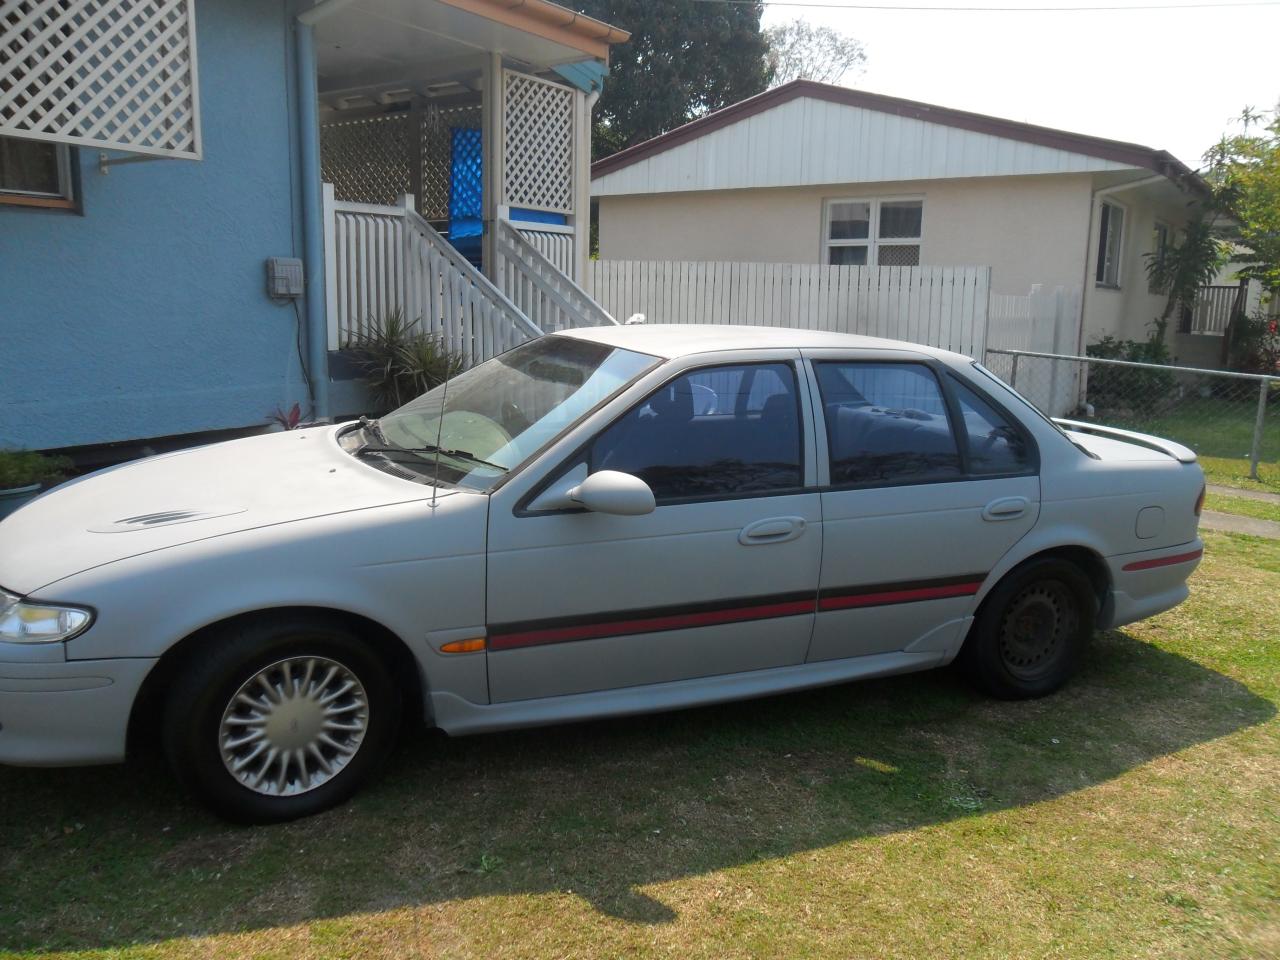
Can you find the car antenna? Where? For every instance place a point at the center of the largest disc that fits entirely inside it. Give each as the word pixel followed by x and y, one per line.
pixel 444 399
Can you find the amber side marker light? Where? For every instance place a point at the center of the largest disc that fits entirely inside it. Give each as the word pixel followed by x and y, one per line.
pixel 1200 499
pixel 463 646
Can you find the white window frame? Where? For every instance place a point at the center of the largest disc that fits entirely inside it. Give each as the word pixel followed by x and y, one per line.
pixel 1100 266
pixel 873 243
pixel 64 199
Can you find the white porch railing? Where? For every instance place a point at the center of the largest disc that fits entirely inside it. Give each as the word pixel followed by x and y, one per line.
pixel 541 287
pixel 1213 310
pixel 379 259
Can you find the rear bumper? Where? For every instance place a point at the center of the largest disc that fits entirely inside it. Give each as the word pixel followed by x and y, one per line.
pixel 67 713
pixel 1150 582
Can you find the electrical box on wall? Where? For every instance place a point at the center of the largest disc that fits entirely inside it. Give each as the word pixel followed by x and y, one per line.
pixel 284 278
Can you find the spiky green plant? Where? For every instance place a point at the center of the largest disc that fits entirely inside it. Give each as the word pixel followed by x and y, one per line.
pixel 400 361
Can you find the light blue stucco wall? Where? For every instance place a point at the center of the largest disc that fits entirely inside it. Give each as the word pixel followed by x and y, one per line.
pixel 146 316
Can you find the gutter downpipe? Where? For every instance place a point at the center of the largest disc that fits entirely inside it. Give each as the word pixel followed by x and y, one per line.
pixel 312 205
pixel 1088 239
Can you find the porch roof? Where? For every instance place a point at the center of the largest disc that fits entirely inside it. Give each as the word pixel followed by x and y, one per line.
pixel 368 44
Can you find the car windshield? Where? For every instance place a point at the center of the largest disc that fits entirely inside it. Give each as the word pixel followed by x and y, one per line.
pixel 500 413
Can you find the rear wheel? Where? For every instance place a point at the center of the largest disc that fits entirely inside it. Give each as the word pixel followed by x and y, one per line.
pixel 1031 631
pixel 280 718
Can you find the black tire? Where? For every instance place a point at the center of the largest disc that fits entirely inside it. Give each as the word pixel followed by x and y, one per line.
pixel 201 699
pixel 1031 630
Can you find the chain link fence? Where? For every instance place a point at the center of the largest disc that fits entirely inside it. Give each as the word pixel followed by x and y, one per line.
pixel 1231 420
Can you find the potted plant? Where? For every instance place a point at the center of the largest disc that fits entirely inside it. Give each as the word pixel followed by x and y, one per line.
pixel 23 474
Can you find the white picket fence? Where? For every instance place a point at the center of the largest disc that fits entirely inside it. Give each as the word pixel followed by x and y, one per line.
pixel 940 306
pixel 1043 321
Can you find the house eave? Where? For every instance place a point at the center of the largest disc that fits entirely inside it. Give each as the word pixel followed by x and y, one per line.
pixel 1115 151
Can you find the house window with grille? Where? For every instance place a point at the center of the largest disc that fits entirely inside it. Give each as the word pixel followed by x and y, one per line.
pixel 1159 251
pixel 1110 239
pixel 35 174
pixel 884 232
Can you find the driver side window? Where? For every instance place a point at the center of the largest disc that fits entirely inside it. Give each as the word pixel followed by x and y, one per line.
pixel 717 432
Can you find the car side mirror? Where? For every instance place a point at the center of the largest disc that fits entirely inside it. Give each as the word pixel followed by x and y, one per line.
pixel 610 491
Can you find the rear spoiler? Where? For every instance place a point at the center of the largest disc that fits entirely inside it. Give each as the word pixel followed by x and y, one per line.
pixel 1176 450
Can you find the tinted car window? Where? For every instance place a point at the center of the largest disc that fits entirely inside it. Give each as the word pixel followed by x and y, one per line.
pixel 723 431
pixel 886 423
pixel 995 446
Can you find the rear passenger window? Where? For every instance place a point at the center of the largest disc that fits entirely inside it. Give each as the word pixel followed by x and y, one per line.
pixel 995 445
pixel 886 423
pixel 719 432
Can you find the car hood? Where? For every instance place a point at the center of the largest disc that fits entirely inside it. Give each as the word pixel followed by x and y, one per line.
pixel 190 495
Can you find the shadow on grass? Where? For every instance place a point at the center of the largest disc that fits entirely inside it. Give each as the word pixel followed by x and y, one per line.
pixel 114 856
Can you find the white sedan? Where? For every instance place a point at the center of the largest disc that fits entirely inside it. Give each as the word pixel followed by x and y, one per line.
pixel 597 523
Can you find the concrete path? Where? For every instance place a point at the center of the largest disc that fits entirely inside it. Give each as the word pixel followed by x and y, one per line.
pixel 1234 523
pixel 1264 495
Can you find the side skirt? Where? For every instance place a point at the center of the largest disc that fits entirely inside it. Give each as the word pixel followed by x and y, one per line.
pixel 457 716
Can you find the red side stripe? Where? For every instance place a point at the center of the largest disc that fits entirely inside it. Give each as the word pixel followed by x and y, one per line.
pixel 1163 561
pixel 899 596
pixel 594 631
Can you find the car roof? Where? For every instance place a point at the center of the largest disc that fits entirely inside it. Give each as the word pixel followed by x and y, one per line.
pixel 673 340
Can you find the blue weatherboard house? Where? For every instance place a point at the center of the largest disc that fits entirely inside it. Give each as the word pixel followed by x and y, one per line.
pixel 204 203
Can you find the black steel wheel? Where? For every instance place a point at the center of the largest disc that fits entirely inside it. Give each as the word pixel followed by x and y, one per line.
pixel 1031 630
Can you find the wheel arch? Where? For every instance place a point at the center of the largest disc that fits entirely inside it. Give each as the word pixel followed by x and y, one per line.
pixel 148 704
pixel 1088 560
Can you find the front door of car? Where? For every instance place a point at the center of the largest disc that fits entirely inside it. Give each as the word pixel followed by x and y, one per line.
pixel 720 578
pixel 927 485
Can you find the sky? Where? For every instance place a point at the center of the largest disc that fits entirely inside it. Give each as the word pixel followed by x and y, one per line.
pixel 1169 79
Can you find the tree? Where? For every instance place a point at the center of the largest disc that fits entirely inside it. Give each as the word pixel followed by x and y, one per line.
pixel 1182 269
pixel 801 51
pixel 1244 171
pixel 683 60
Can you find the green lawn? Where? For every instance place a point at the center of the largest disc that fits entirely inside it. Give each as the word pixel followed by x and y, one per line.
pixel 1244 506
pixel 1135 814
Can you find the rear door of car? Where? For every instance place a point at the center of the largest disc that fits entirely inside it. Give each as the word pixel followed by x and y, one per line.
pixel 927 483
pixel 720 578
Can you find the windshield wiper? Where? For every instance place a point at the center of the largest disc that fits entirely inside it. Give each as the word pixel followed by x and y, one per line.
pixel 424 453
pixel 375 429
pixel 394 449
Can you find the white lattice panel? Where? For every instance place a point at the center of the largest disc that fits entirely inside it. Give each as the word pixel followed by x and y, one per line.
pixel 538 160
pixel 115 74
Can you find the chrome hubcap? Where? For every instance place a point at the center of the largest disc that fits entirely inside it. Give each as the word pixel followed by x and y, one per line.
pixel 293 726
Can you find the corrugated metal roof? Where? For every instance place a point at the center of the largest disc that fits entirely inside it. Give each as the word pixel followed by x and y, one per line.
pixel 808 133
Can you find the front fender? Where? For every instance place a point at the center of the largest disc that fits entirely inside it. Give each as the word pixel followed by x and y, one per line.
pixel 415 569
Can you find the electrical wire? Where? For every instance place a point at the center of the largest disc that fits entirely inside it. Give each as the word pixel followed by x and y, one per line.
pixel 817 5
pixel 306 374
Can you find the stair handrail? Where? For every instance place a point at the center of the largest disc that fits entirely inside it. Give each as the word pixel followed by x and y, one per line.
pixel 468 270
pixel 575 300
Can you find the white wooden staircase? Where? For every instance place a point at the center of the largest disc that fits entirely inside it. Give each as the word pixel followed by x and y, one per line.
pixel 382 259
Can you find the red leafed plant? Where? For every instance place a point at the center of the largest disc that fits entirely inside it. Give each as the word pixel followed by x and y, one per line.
pixel 287 420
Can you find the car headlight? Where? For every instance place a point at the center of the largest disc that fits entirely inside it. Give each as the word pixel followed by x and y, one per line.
pixel 25 621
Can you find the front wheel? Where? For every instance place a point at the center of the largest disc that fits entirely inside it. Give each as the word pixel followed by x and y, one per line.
pixel 280 718
pixel 1031 631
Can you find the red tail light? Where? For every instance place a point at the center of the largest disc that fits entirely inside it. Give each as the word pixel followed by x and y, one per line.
pixel 1200 501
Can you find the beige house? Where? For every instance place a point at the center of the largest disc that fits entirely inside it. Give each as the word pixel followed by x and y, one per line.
pixel 811 173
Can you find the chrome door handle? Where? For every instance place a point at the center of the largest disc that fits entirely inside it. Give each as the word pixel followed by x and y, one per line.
pixel 1006 508
pixel 772 530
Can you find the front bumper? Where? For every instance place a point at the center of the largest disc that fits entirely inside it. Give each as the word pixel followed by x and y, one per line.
pixel 67 713
pixel 1149 582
